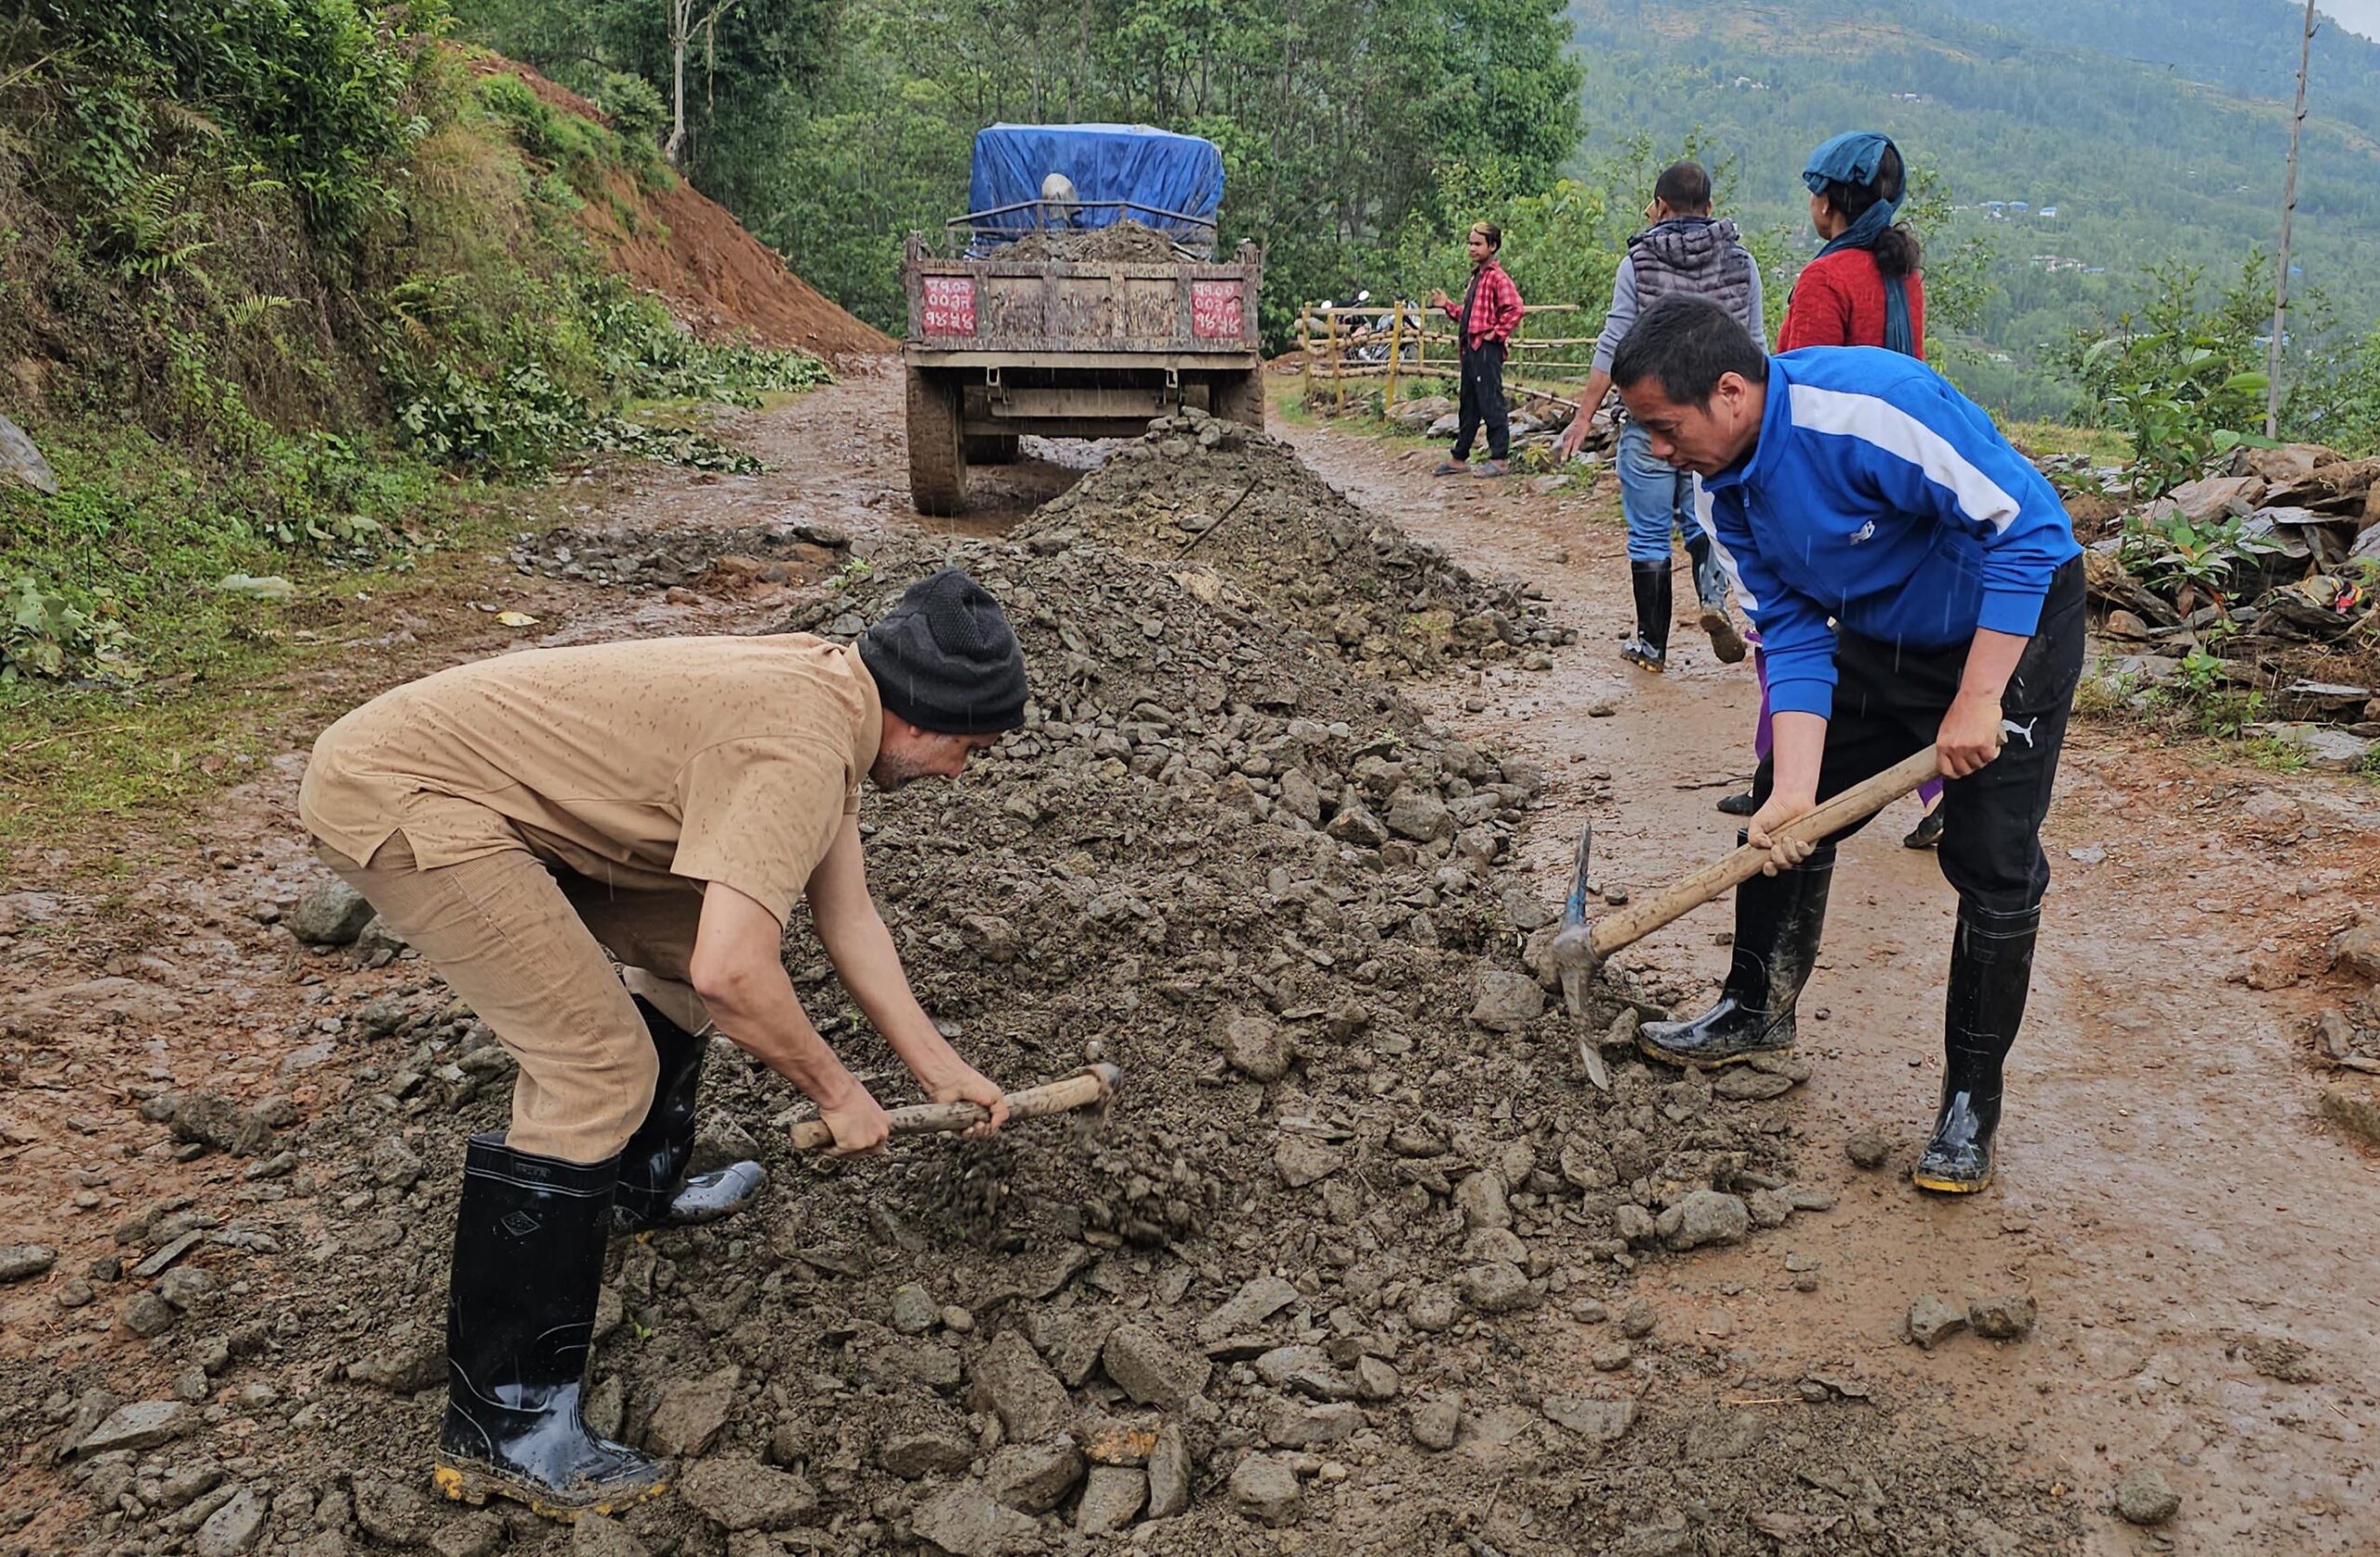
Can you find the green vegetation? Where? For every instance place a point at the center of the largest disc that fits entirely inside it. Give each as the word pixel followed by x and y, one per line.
pixel 1352 131
pixel 281 280
pixel 2065 105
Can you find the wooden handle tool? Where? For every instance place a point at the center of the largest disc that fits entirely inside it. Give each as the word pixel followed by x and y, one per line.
pixel 1093 1087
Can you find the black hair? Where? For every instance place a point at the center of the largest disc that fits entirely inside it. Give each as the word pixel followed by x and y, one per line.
pixel 1489 231
pixel 1898 252
pixel 1684 186
pixel 1688 343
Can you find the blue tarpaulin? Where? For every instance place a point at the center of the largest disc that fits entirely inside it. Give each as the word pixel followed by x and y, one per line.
pixel 1150 171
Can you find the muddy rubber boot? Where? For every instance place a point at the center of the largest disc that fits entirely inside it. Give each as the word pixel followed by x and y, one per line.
pixel 1992 972
pixel 529 1239
pixel 1650 646
pixel 1711 595
pixel 1739 805
pixel 654 1190
pixel 1779 922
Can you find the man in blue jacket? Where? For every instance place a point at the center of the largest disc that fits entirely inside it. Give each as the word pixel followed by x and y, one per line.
pixel 1914 580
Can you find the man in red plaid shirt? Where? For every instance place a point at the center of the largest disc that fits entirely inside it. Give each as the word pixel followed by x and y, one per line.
pixel 1489 313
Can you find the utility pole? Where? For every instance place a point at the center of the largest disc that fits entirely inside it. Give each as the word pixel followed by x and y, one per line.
pixel 2288 210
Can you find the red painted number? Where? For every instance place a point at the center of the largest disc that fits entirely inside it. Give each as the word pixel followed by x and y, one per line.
pixel 1214 311
pixel 950 306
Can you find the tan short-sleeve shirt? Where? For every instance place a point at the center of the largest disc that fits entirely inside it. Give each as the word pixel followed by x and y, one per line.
pixel 645 763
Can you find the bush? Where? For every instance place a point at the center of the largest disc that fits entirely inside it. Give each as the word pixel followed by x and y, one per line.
pixel 2181 378
pixel 635 106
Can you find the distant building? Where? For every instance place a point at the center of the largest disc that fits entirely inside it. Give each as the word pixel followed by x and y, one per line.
pixel 2050 211
pixel 2018 207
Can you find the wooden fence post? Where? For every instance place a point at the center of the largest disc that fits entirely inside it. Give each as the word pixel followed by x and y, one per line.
pixel 1396 349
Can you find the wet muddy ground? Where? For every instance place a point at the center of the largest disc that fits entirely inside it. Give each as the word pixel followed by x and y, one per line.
pixel 1329 1109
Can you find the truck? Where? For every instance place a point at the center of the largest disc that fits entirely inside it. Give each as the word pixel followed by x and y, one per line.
pixel 1080 297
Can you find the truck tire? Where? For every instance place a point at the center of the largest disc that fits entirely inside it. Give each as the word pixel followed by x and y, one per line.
pixel 991 450
pixel 937 454
pixel 1238 397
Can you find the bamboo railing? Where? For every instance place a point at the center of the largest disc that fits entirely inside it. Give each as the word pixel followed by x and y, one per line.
pixel 1403 342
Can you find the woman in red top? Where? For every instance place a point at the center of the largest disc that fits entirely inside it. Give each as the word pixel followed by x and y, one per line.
pixel 1863 289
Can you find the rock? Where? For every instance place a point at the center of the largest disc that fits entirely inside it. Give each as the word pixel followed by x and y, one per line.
pixel 2356 951
pixel 1605 1422
pixel 1480 1198
pixel 2353 1110
pixel 1637 1317
pixel 1491 1246
pixel 1703 1217
pixel 1505 1001
pixel 409 1361
pixel 1256 1301
pixel 1266 1490
pixel 1290 1426
pixel 188 1287
pixel 1867 1147
pixel 1302 801
pixel 740 1494
pixel 1496 1289
pixel 1168 1473
pixel 2002 1318
pixel 378 945
pixel 1419 816
pixel 1750 1086
pixel 1035 1477
pixel 1430 1309
pixel 1150 1371
pixel 392 1513
pixel 142 1425
pixel 2210 497
pixel 2321 746
pixel 145 1314
pixel 1300 1160
pixel 1435 1423
pixel 1010 1381
pixel 394 1165
pixel 966 1522
pixel 914 1311
pixel 75 1292
pixel 2144 1497
pixel 991 936
pixel 2334 1034
pixel 1252 1046
pixel 691 1413
pixel 24 1261
pixel 595 1535
pixel 1110 1500
pixel 476 1534
pixel 1932 1320
pixel 331 914
pixel 1376 1379
pixel 1356 825
pixel 913 1452
pixel 233 1528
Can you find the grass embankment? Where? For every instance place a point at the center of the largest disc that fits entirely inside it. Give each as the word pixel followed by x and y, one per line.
pixel 298 297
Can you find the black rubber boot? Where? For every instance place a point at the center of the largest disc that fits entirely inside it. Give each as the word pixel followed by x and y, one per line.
pixel 529 1241
pixel 1779 922
pixel 655 1191
pixel 1650 646
pixel 1711 596
pixel 1992 972
pixel 1739 805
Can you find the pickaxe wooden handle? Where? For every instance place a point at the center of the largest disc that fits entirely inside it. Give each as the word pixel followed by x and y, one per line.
pixel 1093 1087
pixel 1688 892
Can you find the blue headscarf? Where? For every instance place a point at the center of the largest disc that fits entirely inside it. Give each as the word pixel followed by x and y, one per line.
pixel 1853 158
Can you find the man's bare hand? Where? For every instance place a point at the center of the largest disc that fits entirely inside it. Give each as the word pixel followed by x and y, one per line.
pixel 968 1085
pixel 1574 437
pixel 1970 736
pixel 858 1123
pixel 1761 831
pixel 1438 298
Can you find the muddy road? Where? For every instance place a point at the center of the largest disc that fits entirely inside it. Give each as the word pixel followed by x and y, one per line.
pixel 190 1088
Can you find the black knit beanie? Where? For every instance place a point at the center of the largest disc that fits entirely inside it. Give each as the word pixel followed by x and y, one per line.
pixel 945 659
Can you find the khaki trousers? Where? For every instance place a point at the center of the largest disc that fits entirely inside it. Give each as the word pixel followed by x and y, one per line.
pixel 521 942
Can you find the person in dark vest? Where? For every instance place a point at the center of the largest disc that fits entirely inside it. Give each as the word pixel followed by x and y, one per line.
pixel 1865 288
pixel 1685 250
pixel 1487 320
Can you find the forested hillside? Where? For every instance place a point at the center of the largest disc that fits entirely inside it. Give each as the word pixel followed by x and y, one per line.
pixel 2142 166
pixel 833 130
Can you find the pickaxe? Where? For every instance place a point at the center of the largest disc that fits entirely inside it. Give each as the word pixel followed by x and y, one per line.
pixel 1579 950
pixel 1091 1087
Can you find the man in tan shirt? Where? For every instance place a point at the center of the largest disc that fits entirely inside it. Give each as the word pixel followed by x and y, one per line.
pixel 663 801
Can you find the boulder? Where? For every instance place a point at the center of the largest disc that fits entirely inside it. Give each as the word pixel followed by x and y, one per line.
pixel 1703 1217
pixel 331 914
pixel 1266 1490
pixel 1150 1371
pixel 1010 1381
pixel 1035 1478
pixel 1111 1499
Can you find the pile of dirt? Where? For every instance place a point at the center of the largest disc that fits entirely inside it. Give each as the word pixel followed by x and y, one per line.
pixel 1200 493
pixel 1353 1253
pixel 1123 243
pixel 724 282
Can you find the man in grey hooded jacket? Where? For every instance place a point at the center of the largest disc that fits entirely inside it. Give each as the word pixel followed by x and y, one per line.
pixel 1685 250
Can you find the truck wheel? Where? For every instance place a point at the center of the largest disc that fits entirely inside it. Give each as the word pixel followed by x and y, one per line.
pixel 992 449
pixel 937 454
pixel 1238 397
